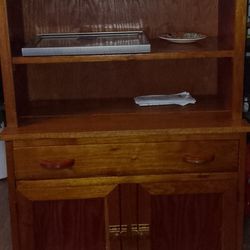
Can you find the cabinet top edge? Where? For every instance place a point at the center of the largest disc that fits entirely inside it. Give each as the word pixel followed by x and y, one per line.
pixel 10 134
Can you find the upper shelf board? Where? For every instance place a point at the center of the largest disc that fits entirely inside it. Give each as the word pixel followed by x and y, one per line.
pixel 160 50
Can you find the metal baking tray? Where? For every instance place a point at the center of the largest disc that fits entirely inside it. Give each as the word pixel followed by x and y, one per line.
pixel 88 44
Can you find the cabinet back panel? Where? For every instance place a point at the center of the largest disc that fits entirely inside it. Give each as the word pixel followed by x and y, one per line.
pixel 42 16
pixel 121 80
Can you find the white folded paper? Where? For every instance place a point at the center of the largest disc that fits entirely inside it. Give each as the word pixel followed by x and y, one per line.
pixel 182 99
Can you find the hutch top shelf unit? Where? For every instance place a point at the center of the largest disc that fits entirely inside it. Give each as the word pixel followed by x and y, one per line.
pixel 41 92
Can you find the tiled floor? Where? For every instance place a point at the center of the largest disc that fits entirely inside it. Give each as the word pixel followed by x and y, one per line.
pixel 5 242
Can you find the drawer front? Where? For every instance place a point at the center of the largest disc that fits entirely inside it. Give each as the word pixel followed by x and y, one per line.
pixel 125 159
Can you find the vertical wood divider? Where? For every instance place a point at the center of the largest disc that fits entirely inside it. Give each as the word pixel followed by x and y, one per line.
pixel 7 68
pixel 12 196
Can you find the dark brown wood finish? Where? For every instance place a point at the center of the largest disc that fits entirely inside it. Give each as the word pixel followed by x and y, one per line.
pixel 227 18
pixel 241 194
pixel 238 66
pixel 50 222
pixel 120 15
pixel 129 215
pixel 225 76
pixel 195 215
pixel 118 106
pixel 12 196
pixel 5 229
pixel 122 79
pixel 7 68
pixel 56 229
pixel 144 218
pixel 114 219
pixel 189 222
pixel 25 223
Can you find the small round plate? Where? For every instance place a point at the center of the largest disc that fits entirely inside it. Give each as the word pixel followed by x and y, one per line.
pixel 182 37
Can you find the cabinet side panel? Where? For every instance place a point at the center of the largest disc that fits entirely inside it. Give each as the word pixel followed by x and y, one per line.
pixel 225 81
pixel 25 223
pixel 16 27
pixel 6 67
pixel 12 196
pixel 238 67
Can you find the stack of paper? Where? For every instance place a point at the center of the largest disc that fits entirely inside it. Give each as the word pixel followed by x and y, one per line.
pixel 182 99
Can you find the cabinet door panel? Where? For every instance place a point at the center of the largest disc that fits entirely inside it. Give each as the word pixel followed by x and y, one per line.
pixel 144 218
pixel 61 225
pixel 129 220
pixel 65 224
pixel 188 222
pixel 114 227
pixel 203 218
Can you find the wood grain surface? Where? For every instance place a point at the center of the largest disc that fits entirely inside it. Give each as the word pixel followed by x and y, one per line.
pixel 194 212
pixel 5 233
pixel 131 157
pixel 144 217
pixel 127 159
pixel 211 47
pixel 120 15
pixel 121 79
pixel 189 222
pixel 104 127
pixel 50 225
pixel 56 228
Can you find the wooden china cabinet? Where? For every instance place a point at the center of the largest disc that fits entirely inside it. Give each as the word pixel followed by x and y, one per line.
pixel 89 169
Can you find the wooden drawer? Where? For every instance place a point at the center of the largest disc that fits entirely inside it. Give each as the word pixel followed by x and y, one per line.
pixel 69 161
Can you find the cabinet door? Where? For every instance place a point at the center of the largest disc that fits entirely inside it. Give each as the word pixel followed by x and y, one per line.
pixel 189 215
pixel 65 216
pixel 178 215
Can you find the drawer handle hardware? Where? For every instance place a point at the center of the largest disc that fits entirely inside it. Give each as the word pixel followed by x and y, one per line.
pixel 64 164
pixel 198 159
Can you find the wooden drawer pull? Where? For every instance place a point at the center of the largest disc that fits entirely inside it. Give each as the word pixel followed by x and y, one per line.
pixel 58 164
pixel 198 159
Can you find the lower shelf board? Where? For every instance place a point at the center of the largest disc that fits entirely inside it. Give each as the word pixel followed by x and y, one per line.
pixel 74 118
pixel 113 125
pixel 116 106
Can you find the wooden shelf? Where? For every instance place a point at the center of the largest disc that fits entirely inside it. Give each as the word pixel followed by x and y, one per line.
pixel 209 48
pixel 119 125
pixel 59 118
pixel 118 106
